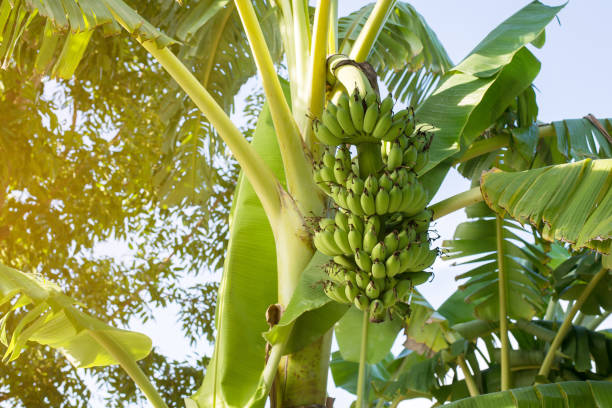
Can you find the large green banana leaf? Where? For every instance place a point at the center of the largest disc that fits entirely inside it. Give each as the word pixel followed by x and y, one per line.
pixel 407 54
pixel 248 287
pixel 53 319
pixel 478 90
pixel 567 202
pixel 583 394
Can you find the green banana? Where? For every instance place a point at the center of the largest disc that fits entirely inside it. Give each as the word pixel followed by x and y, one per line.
pixel 328 288
pixel 392 241
pixel 372 291
pixel 394 131
pixel 370 118
pixel 382 201
pixel 385 182
pixel 407 199
pixel 351 291
pixel 324 242
pixel 350 277
pixel 379 251
pixel 382 125
pixel 338 194
pixel 362 279
pixel 389 297
pixel 344 261
pixel 331 107
pixel 343 102
pixel 335 273
pixel 395 199
pixel 421 161
pixel 409 159
pixel 405 237
pixel 394 160
pixel 341 238
pixel 363 261
pixel 378 269
pixel 340 172
pixel 393 265
pixel 419 200
pixel 341 220
pixel 370 239
pixel 356 222
pixel 402 310
pixel 367 202
pixel 355 239
pixel 386 105
pixel 353 203
pixel 377 311
pixel 422 220
pixel 325 136
pixel 344 155
pixel 404 290
pixel 356 110
pixel 373 221
pixel 328 158
pixel 357 185
pixel 327 174
pixel 371 183
pixel 419 278
pixel 362 302
pixel 331 123
pixel 344 119
pixel 370 98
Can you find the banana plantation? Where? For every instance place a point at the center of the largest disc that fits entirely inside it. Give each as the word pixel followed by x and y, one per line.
pixel 291 226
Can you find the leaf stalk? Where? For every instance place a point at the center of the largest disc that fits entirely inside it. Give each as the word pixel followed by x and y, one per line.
pixel 503 306
pixel 363 355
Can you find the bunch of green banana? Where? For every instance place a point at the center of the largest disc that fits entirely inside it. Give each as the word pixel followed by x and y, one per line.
pixel 378 235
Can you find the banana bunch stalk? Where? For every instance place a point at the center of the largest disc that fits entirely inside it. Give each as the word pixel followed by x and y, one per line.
pixel 378 236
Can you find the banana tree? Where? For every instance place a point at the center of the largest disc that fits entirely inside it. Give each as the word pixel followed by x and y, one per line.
pixel 301 200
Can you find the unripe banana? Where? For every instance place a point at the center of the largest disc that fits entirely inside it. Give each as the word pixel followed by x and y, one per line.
pixel 344 155
pixel 327 174
pixel 378 269
pixel 406 257
pixel 338 194
pixel 331 123
pixel 386 105
pixel 422 220
pixel 382 125
pixel 382 201
pixel 402 310
pixel 421 161
pixel 343 102
pixel 328 158
pixel 345 262
pixel 370 118
pixel 325 136
pixel 407 199
pixel 409 129
pixel 393 265
pixel 404 290
pixel 350 277
pixel 355 165
pixel 392 241
pixel 385 182
pixel 395 199
pixel 351 291
pixel 394 160
pixel 428 260
pixel 340 172
pixel 389 297
pixel 367 202
pixel 370 98
pixel 377 311
pixel 328 288
pixel 406 177
pixel 356 222
pixel 341 220
pixel 331 107
pixel 341 238
pixel 357 185
pixel 403 141
pixel 335 273
pixel 344 119
pixel 353 203
pixel 372 291
pixel 374 222
pixel 324 242
pixel 355 239
pixel 419 278
pixel 410 157
pixel 362 302
pixel 357 112
pixel 405 237
pixel 371 183
pixel 363 261
pixel 327 224
pixel 379 251
pixel 419 200
pixel 362 279
pixel 370 239
pixel 403 114
pixel 394 131
pixel 390 283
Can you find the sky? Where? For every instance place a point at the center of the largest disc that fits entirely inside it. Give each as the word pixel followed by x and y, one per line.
pixel 574 80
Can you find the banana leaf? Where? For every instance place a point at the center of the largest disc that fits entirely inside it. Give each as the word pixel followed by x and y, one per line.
pixel 39 312
pixel 583 394
pixel 484 84
pixel 568 202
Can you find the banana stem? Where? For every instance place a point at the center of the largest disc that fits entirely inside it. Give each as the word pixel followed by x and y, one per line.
pixel 550 309
pixel 127 362
pixel 456 202
pixel 370 159
pixel 503 307
pixel 297 167
pixel 264 182
pixel 567 323
pixel 269 374
pixel 332 37
pixel 371 29
pixel 361 378
pixel 469 380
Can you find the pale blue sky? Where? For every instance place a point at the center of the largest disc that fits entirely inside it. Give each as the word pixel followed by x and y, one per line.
pixel 574 80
